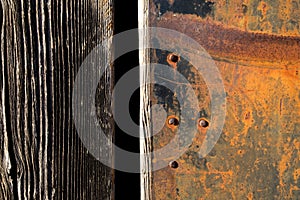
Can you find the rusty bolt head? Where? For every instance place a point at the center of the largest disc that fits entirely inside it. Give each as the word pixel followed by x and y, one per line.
pixel 203 123
pixel 173 164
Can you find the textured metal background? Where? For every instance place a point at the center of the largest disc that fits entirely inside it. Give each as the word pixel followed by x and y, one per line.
pixel 256 47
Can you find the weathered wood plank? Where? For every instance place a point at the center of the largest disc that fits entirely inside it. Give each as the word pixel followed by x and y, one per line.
pixel 43 44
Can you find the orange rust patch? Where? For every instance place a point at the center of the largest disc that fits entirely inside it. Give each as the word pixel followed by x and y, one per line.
pixel 259 140
pixel 263 7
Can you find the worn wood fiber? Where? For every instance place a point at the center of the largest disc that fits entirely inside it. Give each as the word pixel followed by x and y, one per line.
pixel 43 44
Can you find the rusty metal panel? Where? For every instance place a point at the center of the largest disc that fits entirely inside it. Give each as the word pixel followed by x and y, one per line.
pixel 256 48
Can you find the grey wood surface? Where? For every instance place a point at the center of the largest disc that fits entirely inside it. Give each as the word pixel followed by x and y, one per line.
pixel 42 46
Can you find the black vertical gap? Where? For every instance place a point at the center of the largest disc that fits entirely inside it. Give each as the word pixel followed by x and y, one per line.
pixel 127 185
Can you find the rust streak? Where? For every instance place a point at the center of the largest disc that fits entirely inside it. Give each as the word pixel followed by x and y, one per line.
pixel 234 44
pixel 280 106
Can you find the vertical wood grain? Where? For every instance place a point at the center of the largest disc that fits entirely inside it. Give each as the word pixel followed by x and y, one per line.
pixel 43 44
pixel 145 104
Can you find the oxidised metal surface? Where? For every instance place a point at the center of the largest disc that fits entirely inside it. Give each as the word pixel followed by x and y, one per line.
pixel 258 55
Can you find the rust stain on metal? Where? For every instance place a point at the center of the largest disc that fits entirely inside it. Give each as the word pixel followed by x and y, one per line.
pixel 258 153
pixel 231 43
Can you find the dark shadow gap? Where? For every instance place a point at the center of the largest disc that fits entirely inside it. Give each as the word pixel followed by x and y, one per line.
pixel 127 185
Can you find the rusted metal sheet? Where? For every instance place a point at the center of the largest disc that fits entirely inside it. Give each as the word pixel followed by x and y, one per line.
pixel 256 48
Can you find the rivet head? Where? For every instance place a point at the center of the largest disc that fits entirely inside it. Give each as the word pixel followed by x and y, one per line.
pixel 172 121
pixel 174 58
pixel 173 164
pixel 203 123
